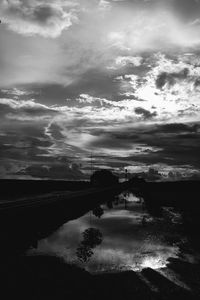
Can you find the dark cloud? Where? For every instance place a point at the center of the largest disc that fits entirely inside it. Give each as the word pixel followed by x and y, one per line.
pixel 175 144
pixel 146 114
pixel 170 78
pixel 178 146
pixel 197 82
pixel 43 13
pixel 24 146
pixel 55 132
pixel 175 128
pixel 27 141
pixel 96 83
pixel 56 171
pixel 110 141
pixel 23 141
pixel 36 17
pixel 187 9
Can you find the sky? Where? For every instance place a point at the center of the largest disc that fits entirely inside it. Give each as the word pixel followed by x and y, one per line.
pixel 115 80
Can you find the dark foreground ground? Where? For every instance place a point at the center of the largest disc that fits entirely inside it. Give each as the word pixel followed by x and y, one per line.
pixel 46 278
pixel 12 189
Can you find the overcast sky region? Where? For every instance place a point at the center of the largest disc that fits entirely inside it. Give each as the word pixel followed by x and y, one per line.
pixel 118 79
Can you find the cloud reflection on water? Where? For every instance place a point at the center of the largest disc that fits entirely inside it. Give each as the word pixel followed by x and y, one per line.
pixel 127 244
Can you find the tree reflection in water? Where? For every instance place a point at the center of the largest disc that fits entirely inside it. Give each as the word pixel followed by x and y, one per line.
pixel 98 211
pixel 92 237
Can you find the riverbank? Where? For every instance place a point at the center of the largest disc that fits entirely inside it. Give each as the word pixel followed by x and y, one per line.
pixel 12 189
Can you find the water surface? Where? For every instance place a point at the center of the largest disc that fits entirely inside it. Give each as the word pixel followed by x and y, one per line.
pixel 115 236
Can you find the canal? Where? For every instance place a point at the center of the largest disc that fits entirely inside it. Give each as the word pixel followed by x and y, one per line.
pixel 117 235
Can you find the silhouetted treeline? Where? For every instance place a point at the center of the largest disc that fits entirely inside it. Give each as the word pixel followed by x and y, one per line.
pixel 183 196
pixel 180 194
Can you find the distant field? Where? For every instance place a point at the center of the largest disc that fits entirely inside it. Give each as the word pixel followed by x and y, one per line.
pixel 174 186
pixel 12 189
pixel 162 192
pixel 182 194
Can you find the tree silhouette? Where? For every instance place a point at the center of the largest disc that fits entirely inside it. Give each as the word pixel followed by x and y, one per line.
pixel 84 253
pixel 103 178
pixel 92 237
pixel 98 211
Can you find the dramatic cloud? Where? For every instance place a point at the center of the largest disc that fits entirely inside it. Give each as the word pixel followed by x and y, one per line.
pixel 56 171
pixel 170 78
pixel 14 109
pixel 120 79
pixel 117 134
pixel 46 18
pixel 145 113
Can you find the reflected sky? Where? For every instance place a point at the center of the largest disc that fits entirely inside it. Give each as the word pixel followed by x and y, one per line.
pixel 131 239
